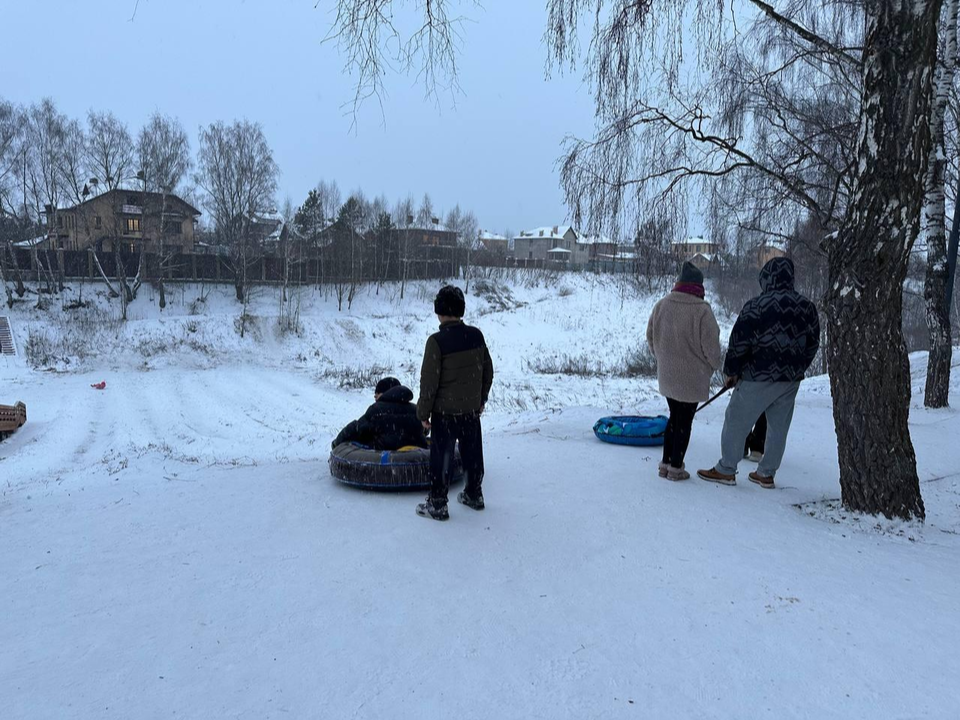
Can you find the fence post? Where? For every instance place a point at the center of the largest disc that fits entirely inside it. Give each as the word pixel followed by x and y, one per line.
pixel 218 266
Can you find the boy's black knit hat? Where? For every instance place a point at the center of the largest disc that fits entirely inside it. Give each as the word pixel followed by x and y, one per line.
pixel 450 302
pixel 387 383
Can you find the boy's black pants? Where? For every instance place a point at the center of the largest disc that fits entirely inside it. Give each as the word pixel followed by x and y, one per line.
pixel 446 431
pixel 757 438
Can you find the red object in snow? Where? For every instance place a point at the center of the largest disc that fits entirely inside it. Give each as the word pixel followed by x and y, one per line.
pixel 100 385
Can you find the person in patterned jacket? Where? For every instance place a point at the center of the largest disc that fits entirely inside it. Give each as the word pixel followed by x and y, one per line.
pixel 772 344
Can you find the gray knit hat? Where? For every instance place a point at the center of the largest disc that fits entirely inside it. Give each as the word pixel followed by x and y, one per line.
pixel 690 273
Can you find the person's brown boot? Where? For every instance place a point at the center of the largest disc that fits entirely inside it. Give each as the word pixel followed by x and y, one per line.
pixel 677 474
pixel 713 475
pixel 762 480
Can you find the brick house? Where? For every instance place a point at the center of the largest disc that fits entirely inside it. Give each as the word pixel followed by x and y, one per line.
pixel 699 251
pixel 124 219
pixel 436 236
pixel 769 250
pixel 492 243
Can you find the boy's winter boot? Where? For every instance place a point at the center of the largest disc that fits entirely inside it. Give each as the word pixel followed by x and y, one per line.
pixel 430 509
pixel 475 503
pixel 762 480
pixel 714 475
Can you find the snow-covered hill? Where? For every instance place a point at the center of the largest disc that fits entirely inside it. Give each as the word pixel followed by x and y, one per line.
pixel 589 325
pixel 174 545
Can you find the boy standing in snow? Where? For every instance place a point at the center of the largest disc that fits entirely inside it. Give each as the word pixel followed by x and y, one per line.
pixel 772 344
pixel 455 382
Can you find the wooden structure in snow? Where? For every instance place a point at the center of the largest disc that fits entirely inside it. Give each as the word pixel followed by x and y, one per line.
pixel 12 417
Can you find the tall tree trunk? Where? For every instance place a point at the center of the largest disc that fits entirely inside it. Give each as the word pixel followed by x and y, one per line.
pixel 21 288
pixel 103 275
pixel 937 393
pixel 868 364
pixel 6 288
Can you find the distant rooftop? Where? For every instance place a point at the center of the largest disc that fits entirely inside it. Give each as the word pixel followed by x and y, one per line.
pixel 693 240
pixel 552 231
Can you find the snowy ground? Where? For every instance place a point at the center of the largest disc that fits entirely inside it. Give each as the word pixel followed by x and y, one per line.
pixel 175 547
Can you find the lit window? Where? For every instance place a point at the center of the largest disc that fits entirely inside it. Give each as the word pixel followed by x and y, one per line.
pixel 133 225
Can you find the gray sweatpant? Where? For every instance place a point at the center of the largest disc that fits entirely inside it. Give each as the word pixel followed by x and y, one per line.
pixel 748 402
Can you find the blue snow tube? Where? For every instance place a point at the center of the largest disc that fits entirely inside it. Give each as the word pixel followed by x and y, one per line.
pixel 631 430
pixel 406 469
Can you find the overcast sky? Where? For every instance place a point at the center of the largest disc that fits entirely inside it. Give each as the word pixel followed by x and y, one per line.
pixel 202 60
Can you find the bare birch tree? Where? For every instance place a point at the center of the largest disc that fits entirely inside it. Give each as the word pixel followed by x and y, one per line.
pixel 238 175
pixel 110 152
pixel 163 151
pixel 937 394
pixel 12 136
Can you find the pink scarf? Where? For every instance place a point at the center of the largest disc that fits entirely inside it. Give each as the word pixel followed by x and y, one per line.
pixel 689 289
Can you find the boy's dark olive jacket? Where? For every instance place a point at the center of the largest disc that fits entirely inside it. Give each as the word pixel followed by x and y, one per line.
pixel 457 372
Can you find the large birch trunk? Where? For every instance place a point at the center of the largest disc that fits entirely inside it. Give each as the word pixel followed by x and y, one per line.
pixel 868 364
pixel 937 393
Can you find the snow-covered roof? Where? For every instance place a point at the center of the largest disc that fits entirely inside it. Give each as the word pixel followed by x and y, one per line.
pixel 559 251
pixel 695 240
pixel 484 235
pixel 32 242
pixel 138 193
pixel 439 227
pixel 775 243
pixel 553 231
pixel 267 218
pixel 598 240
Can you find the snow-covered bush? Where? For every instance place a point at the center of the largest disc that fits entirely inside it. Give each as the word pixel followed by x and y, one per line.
pixel 639 362
pixel 354 378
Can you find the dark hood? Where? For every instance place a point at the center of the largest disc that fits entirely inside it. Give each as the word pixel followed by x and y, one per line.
pixel 778 274
pixel 398 394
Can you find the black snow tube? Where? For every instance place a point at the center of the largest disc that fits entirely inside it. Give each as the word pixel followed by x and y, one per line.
pixel 363 467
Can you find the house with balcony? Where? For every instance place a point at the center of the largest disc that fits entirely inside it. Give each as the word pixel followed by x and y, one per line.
pixel 125 220
pixel 698 250
pixel 557 242
pixel 603 249
pixel 432 235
